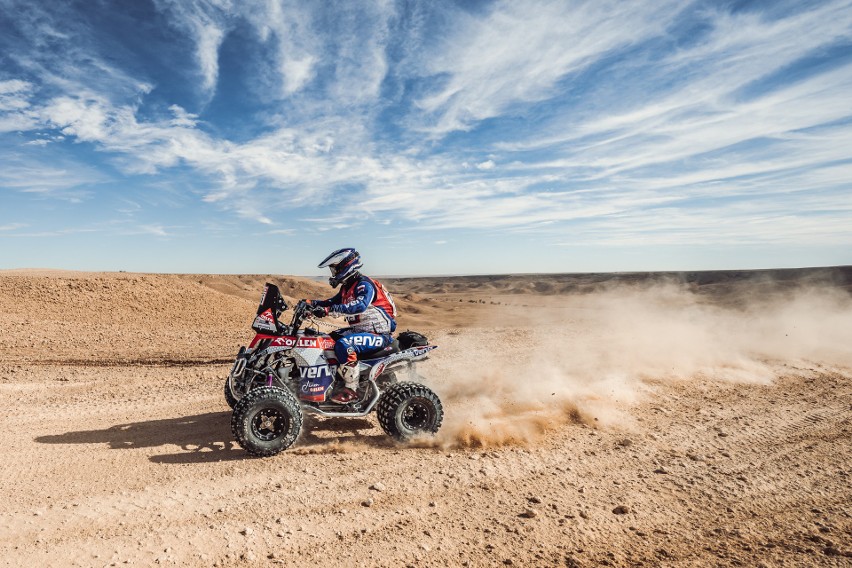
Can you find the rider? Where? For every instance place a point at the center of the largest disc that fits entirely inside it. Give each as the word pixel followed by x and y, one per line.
pixel 369 310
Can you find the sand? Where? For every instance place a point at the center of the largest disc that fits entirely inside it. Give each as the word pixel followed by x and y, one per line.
pixel 648 420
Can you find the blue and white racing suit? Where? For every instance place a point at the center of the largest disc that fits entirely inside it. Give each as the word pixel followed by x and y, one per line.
pixel 370 312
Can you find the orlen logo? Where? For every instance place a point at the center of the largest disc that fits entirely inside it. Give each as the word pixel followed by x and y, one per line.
pixel 315 342
pixel 267 315
pixel 303 342
pixel 312 389
pixel 318 372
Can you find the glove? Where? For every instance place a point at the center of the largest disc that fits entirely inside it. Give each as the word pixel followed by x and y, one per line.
pixel 319 311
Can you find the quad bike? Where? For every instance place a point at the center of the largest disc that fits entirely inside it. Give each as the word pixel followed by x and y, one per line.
pixel 287 369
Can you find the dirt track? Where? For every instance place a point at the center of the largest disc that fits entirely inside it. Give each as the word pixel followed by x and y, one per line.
pixel 117 449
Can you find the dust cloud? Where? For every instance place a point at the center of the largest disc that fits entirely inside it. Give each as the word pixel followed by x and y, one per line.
pixel 592 356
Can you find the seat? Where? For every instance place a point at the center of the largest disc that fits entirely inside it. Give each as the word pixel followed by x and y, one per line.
pixel 389 350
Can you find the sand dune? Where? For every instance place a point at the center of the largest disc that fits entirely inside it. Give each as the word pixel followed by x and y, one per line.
pixel 633 419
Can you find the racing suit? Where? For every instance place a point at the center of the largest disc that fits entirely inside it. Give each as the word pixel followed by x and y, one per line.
pixel 370 312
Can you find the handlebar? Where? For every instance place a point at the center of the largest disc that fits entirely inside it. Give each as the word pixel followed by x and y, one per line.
pixel 300 312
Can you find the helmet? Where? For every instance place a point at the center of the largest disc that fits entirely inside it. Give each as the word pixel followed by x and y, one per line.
pixel 344 264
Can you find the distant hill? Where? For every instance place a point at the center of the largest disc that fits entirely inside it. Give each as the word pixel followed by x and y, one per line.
pixel 712 283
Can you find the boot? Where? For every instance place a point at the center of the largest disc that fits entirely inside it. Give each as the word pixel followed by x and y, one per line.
pixel 349 374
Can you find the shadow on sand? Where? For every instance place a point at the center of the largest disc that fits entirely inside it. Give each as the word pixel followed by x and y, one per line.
pixel 206 438
pixel 326 434
pixel 202 438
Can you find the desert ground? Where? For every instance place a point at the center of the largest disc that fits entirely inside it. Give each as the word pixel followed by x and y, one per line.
pixel 696 419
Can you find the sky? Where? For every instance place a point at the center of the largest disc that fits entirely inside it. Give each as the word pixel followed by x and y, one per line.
pixel 445 137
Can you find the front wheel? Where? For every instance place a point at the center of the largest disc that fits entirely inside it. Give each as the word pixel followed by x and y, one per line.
pixel 408 409
pixel 266 421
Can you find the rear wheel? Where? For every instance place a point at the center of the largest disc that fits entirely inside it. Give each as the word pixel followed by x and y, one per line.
pixel 408 409
pixel 266 421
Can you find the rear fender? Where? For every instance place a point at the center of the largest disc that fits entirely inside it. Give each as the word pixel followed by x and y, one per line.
pixel 399 360
pixel 419 353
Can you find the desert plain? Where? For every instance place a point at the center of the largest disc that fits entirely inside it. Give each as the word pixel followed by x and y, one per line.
pixel 690 419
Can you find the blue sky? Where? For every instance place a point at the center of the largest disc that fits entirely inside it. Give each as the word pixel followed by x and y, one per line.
pixel 437 137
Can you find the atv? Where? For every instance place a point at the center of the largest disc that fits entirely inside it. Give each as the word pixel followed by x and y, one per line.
pixel 287 370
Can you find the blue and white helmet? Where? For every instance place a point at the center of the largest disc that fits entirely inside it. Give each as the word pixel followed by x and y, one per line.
pixel 344 264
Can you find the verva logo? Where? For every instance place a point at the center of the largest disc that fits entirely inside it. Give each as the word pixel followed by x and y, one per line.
pixel 317 372
pixel 367 340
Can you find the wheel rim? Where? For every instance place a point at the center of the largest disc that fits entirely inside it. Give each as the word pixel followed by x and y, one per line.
pixel 418 414
pixel 269 424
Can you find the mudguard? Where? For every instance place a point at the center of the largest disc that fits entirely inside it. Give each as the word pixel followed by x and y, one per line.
pixel 402 358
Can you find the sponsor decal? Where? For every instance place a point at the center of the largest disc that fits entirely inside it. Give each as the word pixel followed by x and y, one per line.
pixel 304 342
pixel 421 350
pixel 367 340
pixel 315 382
pixel 315 372
pixel 286 341
pixel 264 321
pixel 259 325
